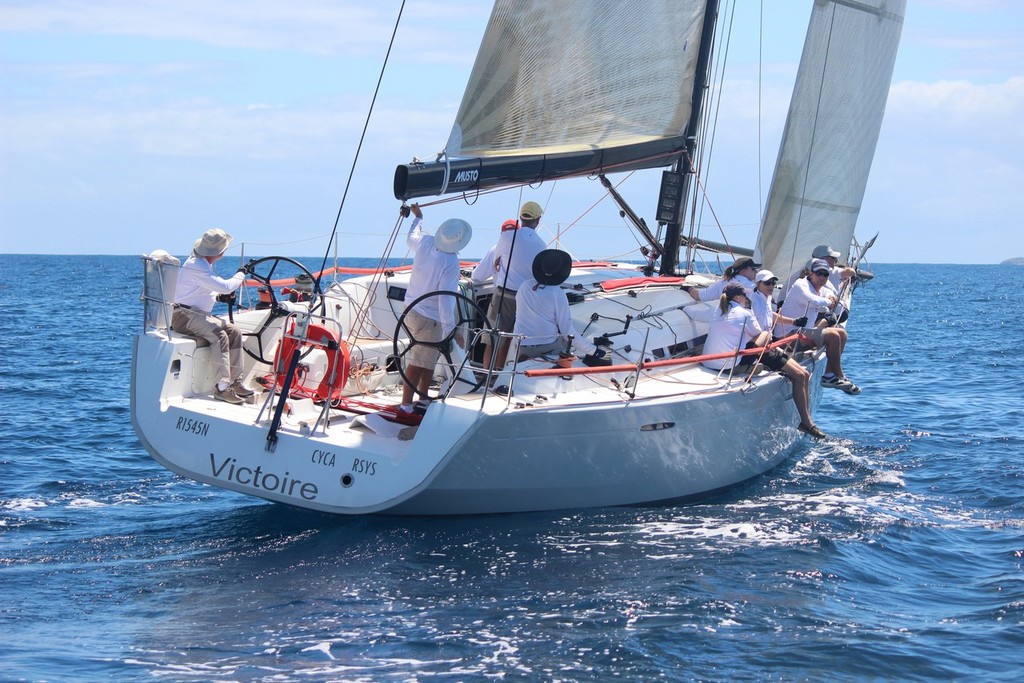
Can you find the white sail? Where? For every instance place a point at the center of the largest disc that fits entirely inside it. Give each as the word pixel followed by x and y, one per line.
pixel 832 129
pixel 552 77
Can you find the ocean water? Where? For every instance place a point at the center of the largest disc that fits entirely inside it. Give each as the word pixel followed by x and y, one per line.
pixel 892 551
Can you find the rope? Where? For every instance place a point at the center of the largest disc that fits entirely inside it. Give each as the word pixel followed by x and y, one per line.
pixel 359 147
pixel 363 310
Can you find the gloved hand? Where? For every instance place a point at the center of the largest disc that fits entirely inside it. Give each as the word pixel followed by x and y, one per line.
pixel 466 272
pixel 800 322
pixel 403 211
pixel 830 319
pixel 602 341
pixel 247 268
pixel 226 298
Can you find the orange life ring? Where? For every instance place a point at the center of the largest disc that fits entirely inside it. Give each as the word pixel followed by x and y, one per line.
pixel 338 362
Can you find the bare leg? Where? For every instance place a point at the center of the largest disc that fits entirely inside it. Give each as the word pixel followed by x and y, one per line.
pixel 502 354
pixel 801 394
pixel 417 377
pixel 833 352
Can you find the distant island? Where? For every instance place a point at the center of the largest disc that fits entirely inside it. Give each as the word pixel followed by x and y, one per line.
pixel 1018 261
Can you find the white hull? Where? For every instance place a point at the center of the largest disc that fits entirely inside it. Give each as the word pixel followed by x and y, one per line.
pixel 556 443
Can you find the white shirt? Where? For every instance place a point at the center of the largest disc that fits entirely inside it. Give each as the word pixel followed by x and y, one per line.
pixel 542 316
pixel 713 292
pixel 835 277
pixel 727 333
pixel 515 251
pixel 763 309
pixel 804 301
pixel 484 270
pixel 432 270
pixel 198 286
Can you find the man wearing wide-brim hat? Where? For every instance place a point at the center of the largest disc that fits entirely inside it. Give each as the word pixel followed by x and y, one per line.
pixel 435 267
pixel 543 322
pixel 194 297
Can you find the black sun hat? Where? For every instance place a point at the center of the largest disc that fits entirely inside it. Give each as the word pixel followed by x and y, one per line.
pixel 552 267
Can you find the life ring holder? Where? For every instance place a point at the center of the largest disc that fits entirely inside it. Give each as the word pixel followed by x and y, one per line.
pixel 339 362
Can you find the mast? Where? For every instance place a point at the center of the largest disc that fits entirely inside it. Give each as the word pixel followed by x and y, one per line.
pixel 676 183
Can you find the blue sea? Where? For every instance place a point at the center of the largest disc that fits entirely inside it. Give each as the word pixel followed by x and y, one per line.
pixel 892 551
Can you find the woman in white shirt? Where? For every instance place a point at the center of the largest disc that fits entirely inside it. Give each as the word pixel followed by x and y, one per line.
pixel 732 327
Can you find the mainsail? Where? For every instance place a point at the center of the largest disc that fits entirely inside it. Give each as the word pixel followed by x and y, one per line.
pixel 831 131
pixel 569 88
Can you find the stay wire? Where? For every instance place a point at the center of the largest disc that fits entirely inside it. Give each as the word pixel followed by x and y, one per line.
pixel 362 137
pixel 814 132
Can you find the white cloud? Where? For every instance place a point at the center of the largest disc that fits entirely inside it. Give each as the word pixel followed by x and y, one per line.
pixel 960 108
pixel 322 27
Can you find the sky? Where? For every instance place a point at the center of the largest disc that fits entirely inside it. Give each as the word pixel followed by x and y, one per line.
pixel 132 125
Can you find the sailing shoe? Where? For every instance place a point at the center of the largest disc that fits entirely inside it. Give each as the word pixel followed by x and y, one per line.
pixel 227 395
pixel 240 390
pixel 837 382
pixel 812 431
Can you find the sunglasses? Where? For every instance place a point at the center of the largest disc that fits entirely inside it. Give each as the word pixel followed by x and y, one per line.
pixel 823 273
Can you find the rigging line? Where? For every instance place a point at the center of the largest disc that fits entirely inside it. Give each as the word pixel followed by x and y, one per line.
pixel 711 123
pixel 699 147
pixel 363 310
pixel 314 238
pixel 760 94
pixel 362 137
pixel 594 205
pixel 701 151
pixel 814 130
pixel 707 201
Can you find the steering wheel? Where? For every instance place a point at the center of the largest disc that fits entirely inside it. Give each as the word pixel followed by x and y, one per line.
pixel 267 266
pixel 444 345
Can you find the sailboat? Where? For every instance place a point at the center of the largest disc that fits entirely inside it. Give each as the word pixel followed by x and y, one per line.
pixel 576 89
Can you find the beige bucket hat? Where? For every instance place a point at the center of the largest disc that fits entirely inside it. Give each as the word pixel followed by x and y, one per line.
pixel 214 242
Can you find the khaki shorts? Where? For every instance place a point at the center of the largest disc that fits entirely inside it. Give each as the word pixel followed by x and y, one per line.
pixel 424 329
pixel 815 334
pixel 503 304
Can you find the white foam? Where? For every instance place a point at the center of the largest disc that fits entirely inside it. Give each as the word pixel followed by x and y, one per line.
pixel 23 504
pixel 324 647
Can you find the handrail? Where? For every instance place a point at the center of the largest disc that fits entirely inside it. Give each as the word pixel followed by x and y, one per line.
pixel 548 372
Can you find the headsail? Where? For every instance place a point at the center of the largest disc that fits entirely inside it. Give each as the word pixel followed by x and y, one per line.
pixel 569 88
pixel 831 131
